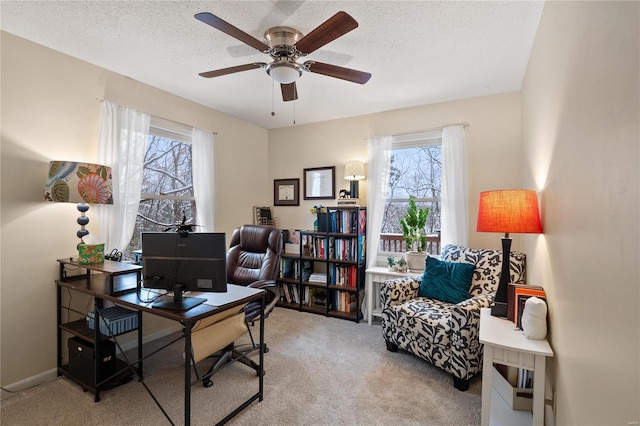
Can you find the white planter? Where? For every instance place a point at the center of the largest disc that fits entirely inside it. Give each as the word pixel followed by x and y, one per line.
pixel 416 260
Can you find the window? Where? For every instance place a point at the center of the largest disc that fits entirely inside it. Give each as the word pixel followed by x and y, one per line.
pixel 167 183
pixel 416 162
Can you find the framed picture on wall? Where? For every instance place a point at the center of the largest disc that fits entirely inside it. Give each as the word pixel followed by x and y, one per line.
pixel 320 183
pixel 286 192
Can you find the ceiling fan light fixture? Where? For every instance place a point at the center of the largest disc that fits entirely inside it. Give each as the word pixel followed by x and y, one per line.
pixel 283 72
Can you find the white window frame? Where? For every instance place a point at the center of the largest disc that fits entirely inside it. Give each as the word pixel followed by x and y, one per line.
pixel 404 141
pixel 172 131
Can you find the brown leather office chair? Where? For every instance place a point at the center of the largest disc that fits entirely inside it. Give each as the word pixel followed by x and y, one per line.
pixel 253 260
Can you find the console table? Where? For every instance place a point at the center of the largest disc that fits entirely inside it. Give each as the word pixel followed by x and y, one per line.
pixel 503 344
pixel 376 275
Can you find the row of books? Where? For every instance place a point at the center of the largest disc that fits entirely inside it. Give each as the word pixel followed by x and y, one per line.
pixel 345 301
pixel 346 249
pixel 289 268
pixel 343 275
pixel 334 248
pixel 296 269
pixel 517 295
pixel 308 296
pixel 343 221
pixel 338 274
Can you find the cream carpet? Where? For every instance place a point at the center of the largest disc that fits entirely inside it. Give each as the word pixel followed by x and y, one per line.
pixel 319 371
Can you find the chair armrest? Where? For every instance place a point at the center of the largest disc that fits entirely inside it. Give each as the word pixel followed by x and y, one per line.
pixel 252 310
pixel 399 290
pixel 464 323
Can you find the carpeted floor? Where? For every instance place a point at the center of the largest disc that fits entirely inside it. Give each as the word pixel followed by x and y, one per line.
pixel 319 371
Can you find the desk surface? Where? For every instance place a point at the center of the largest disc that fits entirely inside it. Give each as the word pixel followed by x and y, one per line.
pixel 216 302
pixel 502 333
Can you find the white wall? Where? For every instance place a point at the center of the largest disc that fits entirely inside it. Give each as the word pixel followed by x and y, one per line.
pixel 493 141
pixel 50 107
pixel 580 132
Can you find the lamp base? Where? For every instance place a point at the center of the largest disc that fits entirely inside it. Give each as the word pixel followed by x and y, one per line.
pixel 499 309
pixel 354 187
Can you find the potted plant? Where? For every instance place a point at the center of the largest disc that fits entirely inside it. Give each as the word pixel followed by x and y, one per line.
pixel 391 263
pixel 401 264
pixel 414 234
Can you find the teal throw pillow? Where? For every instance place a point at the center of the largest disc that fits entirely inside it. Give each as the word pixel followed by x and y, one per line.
pixel 446 281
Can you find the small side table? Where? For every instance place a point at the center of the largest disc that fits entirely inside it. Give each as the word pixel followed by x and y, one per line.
pixel 375 276
pixel 503 344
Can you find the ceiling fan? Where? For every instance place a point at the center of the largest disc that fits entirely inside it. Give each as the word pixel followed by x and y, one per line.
pixel 285 45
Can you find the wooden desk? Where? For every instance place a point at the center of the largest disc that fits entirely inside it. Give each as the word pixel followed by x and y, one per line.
pixel 505 345
pixel 216 303
pixel 106 286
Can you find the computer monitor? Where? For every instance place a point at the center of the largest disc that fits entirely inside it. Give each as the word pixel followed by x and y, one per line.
pixel 180 262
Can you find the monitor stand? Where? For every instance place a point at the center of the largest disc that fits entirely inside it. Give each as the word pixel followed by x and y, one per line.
pixel 178 302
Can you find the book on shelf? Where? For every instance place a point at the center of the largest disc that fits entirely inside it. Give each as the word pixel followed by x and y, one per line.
pixel 344 301
pixel 517 295
pixel 319 277
pixel 345 275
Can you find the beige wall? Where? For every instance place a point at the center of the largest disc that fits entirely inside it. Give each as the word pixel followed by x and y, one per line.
pixel 50 107
pixel 580 132
pixel 493 144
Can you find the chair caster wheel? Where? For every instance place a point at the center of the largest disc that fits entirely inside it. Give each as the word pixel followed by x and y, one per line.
pixel 258 373
pixel 266 349
pixel 207 383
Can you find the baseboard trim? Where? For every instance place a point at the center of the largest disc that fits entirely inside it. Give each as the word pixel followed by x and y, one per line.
pixel 47 376
pixel 29 382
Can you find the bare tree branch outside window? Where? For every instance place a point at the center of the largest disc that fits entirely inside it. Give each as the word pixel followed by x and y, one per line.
pixel 167 189
pixel 414 171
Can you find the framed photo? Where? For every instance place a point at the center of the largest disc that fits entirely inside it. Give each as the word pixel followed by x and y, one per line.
pixel 286 192
pixel 320 183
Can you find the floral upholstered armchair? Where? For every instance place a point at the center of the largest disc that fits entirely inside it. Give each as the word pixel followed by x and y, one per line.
pixel 444 333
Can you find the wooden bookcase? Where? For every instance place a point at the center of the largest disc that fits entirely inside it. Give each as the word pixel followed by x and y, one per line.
pixel 327 275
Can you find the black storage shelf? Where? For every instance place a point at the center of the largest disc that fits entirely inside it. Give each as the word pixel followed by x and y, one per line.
pixel 318 249
pixel 109 277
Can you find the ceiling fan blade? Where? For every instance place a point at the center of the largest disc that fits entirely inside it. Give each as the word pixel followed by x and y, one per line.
pixel 227 28
pixel 335 71
pixel 289 92
pixel 334 27
pixel 231 70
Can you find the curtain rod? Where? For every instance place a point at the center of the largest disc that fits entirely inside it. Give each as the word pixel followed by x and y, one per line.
pixel 162 118
pixel 431 129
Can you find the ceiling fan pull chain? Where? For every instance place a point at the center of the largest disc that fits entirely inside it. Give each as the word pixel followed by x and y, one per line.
pixel 273 95
pixel 294 112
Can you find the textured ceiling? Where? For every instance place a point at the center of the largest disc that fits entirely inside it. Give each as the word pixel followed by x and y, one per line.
pixel 418 52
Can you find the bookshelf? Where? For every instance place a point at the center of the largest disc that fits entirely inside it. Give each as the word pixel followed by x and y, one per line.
pixel 326 277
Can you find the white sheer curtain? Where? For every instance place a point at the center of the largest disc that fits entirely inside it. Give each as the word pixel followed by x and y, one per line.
pixel 123 135
pixel 378 165
pixel 454 218
pixel 202 154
